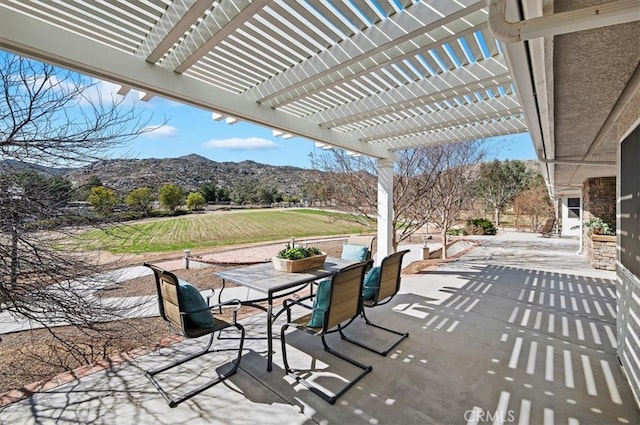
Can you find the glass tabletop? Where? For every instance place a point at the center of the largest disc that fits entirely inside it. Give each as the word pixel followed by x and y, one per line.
pixel 264 278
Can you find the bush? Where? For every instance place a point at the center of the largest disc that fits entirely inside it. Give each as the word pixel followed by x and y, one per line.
pixel 130 215
pixel 165 213
pixel 480 226
pixel 457 232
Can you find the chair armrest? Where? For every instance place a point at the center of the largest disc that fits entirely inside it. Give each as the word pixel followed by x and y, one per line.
pixel 233 304
pixel 290 302
pixel 299 299
pixel 210 297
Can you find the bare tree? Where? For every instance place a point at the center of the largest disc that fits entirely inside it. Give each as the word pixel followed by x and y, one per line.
pixel 352 182
pixel 533 204
pixel 453 190
pixel 50 118
pixel 349 181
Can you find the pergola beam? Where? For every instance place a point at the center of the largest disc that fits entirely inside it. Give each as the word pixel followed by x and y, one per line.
pixel 179 17
pixel 231 15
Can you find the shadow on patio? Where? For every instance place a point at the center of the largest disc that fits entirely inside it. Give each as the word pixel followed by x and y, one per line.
pixel 489 343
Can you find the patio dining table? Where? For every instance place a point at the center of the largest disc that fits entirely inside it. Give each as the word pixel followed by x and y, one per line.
pixel 275 284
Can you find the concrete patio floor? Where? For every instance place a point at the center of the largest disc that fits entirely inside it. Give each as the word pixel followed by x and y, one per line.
pixel 519 330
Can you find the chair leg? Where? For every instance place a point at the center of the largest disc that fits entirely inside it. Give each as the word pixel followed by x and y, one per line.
pixel 383 352
pixel 331 399
pixel 174 401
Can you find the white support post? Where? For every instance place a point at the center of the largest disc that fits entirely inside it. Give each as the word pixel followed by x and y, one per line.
pixel 580 249
pixel 385 209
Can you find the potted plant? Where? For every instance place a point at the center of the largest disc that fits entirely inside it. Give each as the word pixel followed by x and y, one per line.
pixel 598 226
pixel 294 258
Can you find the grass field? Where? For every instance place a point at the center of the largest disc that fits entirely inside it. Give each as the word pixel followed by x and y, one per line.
pixel 220 229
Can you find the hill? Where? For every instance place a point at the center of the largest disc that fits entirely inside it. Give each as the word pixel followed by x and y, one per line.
pixel 190 172
pixel 12 166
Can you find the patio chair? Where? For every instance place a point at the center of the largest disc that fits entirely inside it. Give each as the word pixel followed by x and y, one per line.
pixel 381 285
pixel 337 303
pixel 352 249
pixel 188 314
pixel 547 227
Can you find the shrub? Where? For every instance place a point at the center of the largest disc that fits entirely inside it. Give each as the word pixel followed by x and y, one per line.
pixel 130 215
pixel 457 232
pixel 480 226
pixel 165 213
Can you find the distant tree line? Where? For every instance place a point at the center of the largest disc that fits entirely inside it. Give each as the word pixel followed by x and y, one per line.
pixel 106 201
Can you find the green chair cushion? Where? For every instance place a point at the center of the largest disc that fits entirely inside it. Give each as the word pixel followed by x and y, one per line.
pixel 192 301
pixel 320 304
pixel 371 283
pixel 354 252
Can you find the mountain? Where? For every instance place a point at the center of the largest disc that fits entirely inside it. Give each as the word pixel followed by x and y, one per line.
pixel 189 172
pixel 11 166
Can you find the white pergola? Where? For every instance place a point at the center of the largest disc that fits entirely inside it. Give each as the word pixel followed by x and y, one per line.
pixel 377 76
pixel 368 76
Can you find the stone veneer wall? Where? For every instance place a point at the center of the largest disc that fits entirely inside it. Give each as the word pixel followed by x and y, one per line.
pixel 599 200
pixel 601 251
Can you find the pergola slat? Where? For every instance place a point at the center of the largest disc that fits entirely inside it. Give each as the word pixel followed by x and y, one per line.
pixel 488 71
pixel 400 27
pixel 450 117
pixel 464 133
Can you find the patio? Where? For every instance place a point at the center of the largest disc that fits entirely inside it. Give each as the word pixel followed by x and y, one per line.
pixel 519 330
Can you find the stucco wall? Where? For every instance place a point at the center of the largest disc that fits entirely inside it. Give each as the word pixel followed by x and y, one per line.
pixel 630 117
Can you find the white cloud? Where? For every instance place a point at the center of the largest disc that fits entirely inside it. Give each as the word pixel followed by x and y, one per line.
pixel 236 143
pixel 106 92
pixel 159 132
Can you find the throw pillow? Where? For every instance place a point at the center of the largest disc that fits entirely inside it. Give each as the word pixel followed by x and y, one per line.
pixel 354 252
pixel 192 303
pixel 371 283
pixel 320 304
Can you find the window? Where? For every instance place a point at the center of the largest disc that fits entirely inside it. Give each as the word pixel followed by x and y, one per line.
pixel 573 207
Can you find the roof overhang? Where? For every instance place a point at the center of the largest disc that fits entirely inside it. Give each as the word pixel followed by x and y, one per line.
pixel 576 66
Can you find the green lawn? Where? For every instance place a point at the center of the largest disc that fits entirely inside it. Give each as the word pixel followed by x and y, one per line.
pixel 219 229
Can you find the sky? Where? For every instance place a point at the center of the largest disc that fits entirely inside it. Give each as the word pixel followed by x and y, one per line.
pixel 181 130
pixel 189 130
